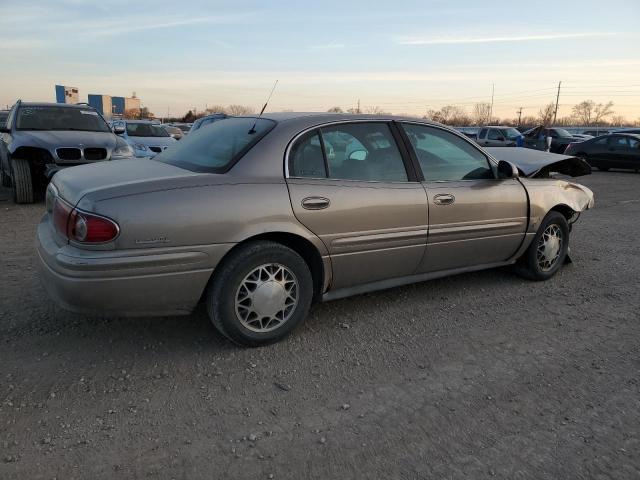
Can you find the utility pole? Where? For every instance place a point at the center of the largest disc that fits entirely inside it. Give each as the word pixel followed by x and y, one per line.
pixel 493 89
pixel 519 116
pixel 555 113
pixel 358 105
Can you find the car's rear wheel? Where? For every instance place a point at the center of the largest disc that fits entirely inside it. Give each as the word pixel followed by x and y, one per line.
pixel 259 293
pixel 548 250
pixel 22 181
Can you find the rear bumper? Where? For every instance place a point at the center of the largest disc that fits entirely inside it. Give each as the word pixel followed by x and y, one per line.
pixel 125 283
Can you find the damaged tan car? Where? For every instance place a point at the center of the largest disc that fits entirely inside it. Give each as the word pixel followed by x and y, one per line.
pixel 258 217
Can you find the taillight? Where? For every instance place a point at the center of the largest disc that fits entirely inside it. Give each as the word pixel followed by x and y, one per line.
pixel 81 226
pixel 89 228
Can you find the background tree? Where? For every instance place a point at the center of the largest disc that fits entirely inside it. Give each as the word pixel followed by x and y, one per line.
pixel 589 112
pixel 239 110
pixel 374 110
pixel 545 114
pixel 480 114
pixel 335 110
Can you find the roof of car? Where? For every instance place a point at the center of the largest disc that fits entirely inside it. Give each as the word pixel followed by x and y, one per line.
pixel 312 118
pixel 497 126
pixel 54 104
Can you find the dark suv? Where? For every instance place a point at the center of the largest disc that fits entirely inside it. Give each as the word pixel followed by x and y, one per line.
pixel 39 139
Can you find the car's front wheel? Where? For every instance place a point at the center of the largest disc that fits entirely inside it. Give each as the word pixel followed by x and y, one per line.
pixel 259 293
pixel 548 250
pixel 22 180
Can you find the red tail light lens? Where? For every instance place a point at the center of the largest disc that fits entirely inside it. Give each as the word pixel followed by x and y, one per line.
pixel 81 226
pixel 88 228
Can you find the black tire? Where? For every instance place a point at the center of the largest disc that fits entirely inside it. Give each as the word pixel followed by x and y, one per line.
pixel 226 284
pixel 529 265
pixel 22 182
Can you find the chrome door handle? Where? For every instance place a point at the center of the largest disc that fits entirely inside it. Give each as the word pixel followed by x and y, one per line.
pixel 444 199
pixel 315 203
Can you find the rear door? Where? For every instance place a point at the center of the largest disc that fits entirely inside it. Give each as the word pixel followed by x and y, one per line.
pixel 474 217
pixel 350 184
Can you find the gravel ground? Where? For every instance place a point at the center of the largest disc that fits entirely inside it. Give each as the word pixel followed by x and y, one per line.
pixel 482 375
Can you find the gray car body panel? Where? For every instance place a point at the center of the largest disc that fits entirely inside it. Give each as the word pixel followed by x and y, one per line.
pixel 174 221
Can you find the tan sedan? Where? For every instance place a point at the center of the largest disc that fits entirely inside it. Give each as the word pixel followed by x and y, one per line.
pixel 258 217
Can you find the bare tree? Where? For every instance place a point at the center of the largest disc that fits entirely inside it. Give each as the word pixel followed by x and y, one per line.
pixel 375 110
pixel 480 113
pixel 545 114
pixel 238 110
pixel 216 109
pixel 618 121
pixel 602 111
pixel 335 110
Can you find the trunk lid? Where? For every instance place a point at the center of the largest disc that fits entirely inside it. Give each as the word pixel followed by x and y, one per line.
pixel 118 178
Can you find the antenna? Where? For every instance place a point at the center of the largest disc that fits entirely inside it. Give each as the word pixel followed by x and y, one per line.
pixel 264 107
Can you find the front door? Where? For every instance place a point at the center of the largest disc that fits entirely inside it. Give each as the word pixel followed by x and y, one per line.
pixel 350 186
pixel 474 217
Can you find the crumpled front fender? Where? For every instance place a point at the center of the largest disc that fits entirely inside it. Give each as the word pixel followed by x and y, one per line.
pixel 547 194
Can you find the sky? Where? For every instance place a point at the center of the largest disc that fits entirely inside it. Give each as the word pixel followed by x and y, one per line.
pixel 402 56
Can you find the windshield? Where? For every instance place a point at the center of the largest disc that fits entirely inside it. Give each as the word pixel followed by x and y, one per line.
pixel 60 118
pixel 511 133
pixel 216 148
pixel 145 130
pixel 563 133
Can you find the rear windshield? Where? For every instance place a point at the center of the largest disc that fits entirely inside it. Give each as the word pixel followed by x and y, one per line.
pixel 60 118
pixel 145 130
pixel 216 148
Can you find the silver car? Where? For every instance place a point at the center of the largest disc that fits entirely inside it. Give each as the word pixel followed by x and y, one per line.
pixel 146 138
pixel 258 217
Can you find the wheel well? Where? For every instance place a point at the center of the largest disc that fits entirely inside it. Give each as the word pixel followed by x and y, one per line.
pixel 565 210
pixel 298 244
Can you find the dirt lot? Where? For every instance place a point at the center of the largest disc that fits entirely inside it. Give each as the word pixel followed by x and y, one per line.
pixel 477 376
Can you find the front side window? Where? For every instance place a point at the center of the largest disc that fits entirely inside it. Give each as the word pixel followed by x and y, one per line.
pixel 216 148
pixel 59 118
pixel 510 133
pixel 351 151
pixel 443 156
pixel 483 133
pixel 495 134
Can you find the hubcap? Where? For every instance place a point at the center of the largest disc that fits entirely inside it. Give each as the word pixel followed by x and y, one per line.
pixel 267 297
pixel 549 247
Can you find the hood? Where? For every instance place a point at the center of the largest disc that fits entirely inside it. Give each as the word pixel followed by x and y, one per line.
pixel 153 141
pixel 539 164
pixel 119 178
pixel 52 139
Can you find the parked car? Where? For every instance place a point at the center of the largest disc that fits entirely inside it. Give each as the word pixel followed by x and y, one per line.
pixel 40 139
pixel 618 150
pixel 206 120
pixel 184 127
pixel 536 138
pixel 596 133
pixel 254 216
pixel 3 118
pixel 498 136
pixel 581 136
pixel 629 130
pixel 147 139
pixel 174 132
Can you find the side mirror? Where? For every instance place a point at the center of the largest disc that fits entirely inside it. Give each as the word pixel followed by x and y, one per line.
pixel 118 129
pixel 507 170
pixel 358 155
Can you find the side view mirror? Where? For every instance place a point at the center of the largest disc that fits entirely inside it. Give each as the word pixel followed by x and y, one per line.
pixel 358 155
pixel 507 170
pixel 118 129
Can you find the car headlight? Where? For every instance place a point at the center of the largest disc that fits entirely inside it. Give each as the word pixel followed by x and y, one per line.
pixel 123 151
pixel 139 146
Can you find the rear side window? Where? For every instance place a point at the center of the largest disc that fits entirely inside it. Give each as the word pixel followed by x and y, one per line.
pixel 483 133
pixel 444 156
pixel 216 148
pixel 352 151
